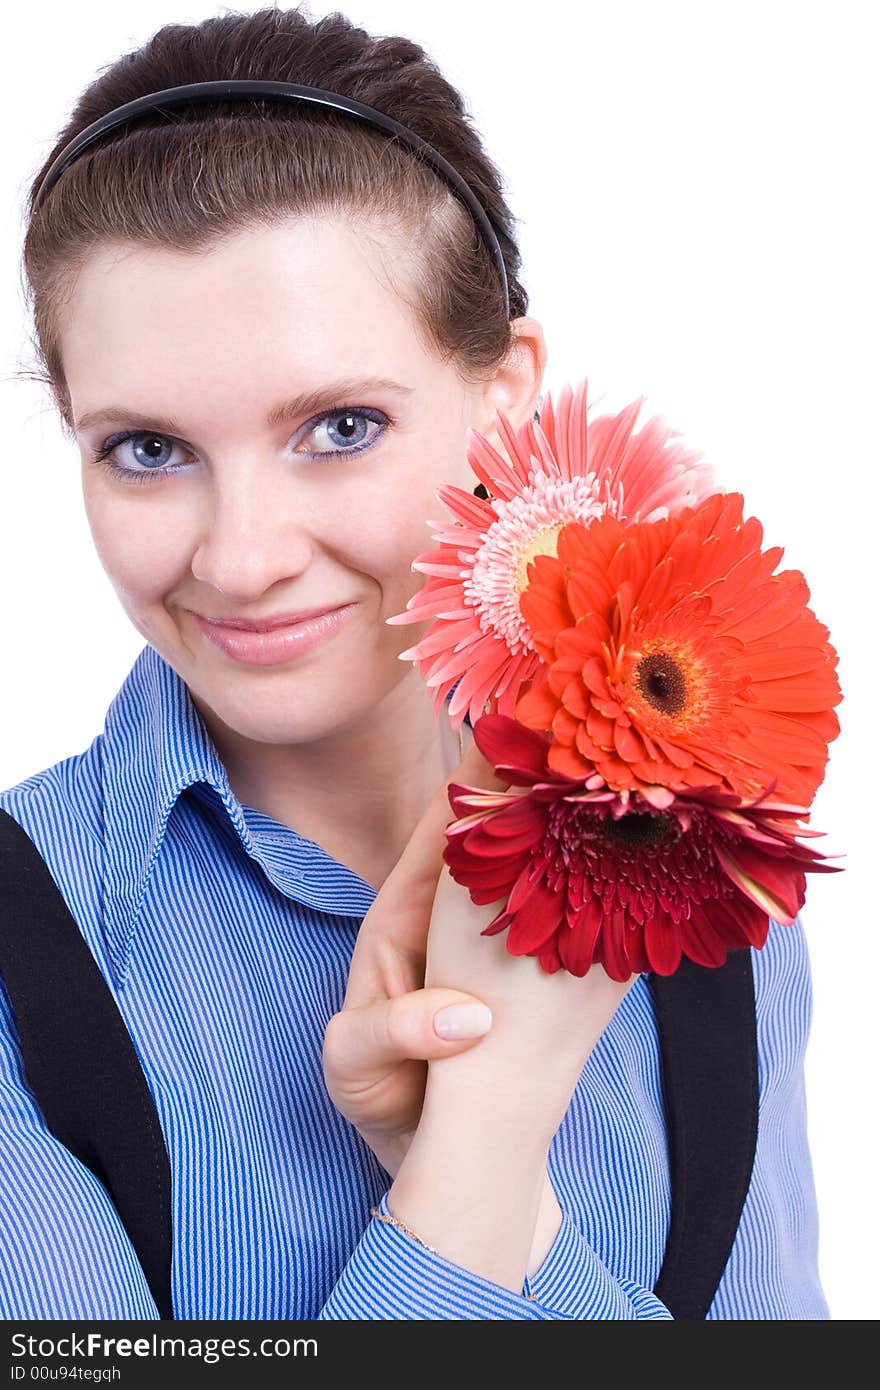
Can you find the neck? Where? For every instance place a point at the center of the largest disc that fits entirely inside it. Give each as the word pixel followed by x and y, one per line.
pixel 360 793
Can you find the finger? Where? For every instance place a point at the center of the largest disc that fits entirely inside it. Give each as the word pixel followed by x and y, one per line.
pixel 361 1044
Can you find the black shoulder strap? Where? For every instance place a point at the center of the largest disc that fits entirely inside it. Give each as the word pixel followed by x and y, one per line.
pixel 81 1065
pixel 709 1061
pixel 79 1058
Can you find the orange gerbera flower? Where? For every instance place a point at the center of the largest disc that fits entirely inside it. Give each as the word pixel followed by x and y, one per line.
pixel 677 657
pixel 560 469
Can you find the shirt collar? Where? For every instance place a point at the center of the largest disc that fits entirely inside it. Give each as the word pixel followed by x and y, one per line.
pixel 155 745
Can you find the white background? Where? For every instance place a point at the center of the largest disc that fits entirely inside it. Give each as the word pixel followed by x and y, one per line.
pixel 696 185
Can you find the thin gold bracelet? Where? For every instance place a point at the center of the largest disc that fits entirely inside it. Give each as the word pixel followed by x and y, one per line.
pixel 393 1221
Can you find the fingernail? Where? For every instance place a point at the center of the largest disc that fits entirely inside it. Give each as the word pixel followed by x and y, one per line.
pixel 463 1021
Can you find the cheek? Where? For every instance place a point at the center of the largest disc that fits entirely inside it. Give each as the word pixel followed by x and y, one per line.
pixel 141 548
pixel 387 541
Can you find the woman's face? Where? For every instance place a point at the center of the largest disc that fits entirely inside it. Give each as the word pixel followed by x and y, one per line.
pixel 237 497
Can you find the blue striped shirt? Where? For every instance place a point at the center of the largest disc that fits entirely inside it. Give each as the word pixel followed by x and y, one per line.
pixel 226 939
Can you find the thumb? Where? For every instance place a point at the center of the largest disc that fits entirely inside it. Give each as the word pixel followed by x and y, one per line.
pixel 362 1043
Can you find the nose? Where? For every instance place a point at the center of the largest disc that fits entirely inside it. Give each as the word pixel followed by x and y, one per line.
pixel 250 535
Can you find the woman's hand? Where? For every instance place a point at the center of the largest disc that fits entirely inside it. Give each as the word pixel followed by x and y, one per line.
pixel 545 1026
pixel 377 1048
pixel 474 1181
pixel 482 1136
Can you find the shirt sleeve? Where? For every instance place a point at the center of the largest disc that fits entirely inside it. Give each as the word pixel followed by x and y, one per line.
pixel 392 1276
pixel 773 1272
pixel 64 1252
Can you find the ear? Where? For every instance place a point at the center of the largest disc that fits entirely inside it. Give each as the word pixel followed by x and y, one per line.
pixel 516 386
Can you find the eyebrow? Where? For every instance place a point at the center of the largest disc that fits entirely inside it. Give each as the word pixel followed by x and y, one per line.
pixel 304 404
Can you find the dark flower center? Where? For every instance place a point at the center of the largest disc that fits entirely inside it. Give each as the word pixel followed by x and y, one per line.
pixel 575 832
pixel 661 681
pixel 639 828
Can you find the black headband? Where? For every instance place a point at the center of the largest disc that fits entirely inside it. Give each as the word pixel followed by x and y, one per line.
pixel 238 90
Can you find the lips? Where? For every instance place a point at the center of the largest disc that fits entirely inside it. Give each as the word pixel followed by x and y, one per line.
pixel 285 641
pixel 270 623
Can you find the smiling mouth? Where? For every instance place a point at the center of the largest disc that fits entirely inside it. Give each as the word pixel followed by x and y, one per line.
pixel 268 624
pixel 269 647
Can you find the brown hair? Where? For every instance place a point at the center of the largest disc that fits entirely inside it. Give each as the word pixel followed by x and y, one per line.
pixel 213 170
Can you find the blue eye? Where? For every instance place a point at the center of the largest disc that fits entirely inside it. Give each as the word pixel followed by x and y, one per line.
pixel 347 429
pixel 154 449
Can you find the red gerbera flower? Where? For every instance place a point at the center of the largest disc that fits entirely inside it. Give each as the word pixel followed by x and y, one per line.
pixel 675 655
pixel 560 470
pixel 632 880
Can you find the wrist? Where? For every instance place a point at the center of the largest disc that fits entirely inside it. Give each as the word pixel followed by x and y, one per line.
pixel 489 1091
pixel 471 1182
pixel 472 1203
pixel 465 1136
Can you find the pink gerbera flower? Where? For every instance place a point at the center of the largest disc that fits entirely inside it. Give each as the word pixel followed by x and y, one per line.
pixel 629 879
pixel 560 469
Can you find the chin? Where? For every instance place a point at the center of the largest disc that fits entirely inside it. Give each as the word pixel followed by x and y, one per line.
pixel 272 715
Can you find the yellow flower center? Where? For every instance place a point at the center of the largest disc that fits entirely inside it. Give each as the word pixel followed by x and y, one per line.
pixel 542 543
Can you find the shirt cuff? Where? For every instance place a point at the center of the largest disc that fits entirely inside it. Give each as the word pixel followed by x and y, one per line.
pixel 572 1282
pixel 391 1276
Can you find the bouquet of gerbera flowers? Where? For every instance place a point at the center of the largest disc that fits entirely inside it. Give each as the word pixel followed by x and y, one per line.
pixel 658 698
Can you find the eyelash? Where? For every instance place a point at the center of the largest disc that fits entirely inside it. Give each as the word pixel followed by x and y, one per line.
pixel 143 475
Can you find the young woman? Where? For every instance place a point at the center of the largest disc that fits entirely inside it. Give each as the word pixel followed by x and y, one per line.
pixel 268 328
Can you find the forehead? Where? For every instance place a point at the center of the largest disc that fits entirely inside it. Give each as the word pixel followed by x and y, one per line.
pixel 314 297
